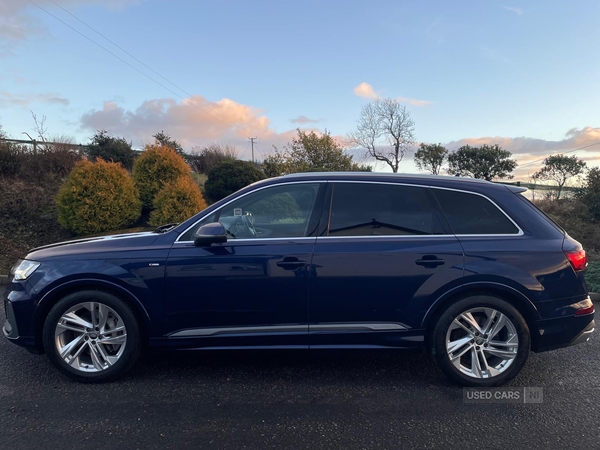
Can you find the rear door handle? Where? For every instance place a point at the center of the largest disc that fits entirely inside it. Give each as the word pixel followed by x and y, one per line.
pixel 290 263
pixel 430 261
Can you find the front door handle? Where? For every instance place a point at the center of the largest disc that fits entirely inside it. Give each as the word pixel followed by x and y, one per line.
pixel 290 263
pixel 430 261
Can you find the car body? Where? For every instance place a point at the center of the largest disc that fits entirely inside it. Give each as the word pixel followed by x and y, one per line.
pixel 325 260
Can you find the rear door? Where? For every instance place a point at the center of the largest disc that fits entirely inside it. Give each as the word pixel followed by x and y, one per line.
pixel 385 253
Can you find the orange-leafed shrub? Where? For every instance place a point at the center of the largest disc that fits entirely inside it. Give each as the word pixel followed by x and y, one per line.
pixel 97 197
pixel 177 201
pixel 155 167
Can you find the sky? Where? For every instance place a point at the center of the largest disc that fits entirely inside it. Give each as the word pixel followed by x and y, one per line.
pixel 524 75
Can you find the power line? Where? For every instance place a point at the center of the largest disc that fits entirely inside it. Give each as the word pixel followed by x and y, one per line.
pixel 564 153
pixel 201 108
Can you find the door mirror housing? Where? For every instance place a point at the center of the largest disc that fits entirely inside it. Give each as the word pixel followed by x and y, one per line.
pixel 211 233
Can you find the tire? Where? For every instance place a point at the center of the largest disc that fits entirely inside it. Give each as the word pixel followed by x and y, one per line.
pixel 92 354
pixel 462 349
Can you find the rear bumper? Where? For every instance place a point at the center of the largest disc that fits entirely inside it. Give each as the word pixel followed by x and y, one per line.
pixel 563 332
pixel 585 335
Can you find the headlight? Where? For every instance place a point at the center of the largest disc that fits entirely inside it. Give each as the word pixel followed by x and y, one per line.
pixel 23 269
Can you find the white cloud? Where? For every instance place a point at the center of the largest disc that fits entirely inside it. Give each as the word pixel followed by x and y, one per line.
pixel 518 11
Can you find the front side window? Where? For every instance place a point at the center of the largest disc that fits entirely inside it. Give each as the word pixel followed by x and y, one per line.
pixel 367 209
pixel 284 211
pixel 473 214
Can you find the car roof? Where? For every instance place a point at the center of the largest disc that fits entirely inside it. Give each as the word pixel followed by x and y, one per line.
pixel 430 180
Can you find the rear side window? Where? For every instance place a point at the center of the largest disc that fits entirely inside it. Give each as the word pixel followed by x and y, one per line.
pixel 365 209
pixel 473 214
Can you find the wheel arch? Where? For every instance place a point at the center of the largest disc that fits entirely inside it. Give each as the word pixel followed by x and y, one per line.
pixel 502 291
pixel 55 294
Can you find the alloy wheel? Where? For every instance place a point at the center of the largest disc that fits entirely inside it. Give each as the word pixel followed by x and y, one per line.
pixel 90 337
pixel 482 342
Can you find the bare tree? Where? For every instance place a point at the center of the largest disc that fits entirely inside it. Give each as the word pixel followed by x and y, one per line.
pixel 385 130
pixel 203 159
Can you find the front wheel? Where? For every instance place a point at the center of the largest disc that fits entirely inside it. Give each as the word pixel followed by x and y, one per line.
pixel 92 336
pixel 480 341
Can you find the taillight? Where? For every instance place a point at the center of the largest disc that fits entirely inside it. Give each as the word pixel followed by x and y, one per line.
pixel 584 307
pixel 578 259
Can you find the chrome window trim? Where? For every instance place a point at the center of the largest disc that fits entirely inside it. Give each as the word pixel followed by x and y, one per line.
pixel 242 196
pixel 391 236
pixel 520 231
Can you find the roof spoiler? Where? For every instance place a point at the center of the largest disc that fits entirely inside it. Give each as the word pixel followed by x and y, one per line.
pixel 516 189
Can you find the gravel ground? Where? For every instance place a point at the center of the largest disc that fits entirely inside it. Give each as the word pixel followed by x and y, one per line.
pixel 313 400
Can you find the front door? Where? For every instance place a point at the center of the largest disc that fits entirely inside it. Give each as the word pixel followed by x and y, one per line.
pixel 251 291
pixel 384 255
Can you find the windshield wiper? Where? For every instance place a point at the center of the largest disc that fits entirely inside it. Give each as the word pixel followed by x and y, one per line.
pixel 166 227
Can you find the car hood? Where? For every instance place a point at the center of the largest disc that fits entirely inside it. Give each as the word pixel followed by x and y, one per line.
pixel 94 244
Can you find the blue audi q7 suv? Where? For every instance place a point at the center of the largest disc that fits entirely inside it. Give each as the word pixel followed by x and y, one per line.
pixel 468 269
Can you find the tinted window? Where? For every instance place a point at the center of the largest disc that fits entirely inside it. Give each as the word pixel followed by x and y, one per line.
pixel 364 209
pixel 473 214
pixel 274 212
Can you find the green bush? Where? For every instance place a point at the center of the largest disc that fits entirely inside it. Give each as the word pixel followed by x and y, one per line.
pixel 97 197
pixel 229 177
pixel 575 218
pixel 110 148
pixel 155 167
pixel 176 202
pixel 592 276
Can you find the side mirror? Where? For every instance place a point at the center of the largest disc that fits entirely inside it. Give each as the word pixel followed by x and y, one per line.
pixel 211 233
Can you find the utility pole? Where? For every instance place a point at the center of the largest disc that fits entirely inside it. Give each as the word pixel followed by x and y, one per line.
pixel 252 140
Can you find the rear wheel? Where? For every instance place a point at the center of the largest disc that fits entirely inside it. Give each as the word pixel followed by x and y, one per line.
pixel 92 336
pixel 481 341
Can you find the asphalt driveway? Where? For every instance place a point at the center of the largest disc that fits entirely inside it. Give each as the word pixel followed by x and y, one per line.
pixel 328 400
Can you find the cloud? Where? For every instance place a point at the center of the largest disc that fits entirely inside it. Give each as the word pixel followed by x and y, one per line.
pixel 7 99
pixel 518 11
pixel 365 90
pixel 304 120
pixel 17 23
pixel 531 151
pixel 414 102
pixel 193 121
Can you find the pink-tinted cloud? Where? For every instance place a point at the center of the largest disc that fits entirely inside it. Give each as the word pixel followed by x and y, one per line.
pixel 194 121
pixel 530 151
pixel 365 90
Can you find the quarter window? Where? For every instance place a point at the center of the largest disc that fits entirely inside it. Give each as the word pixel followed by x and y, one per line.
pixel 473 214
pixel 366 209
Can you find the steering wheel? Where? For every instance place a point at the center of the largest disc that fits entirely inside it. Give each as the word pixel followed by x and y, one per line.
pixel 248 221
